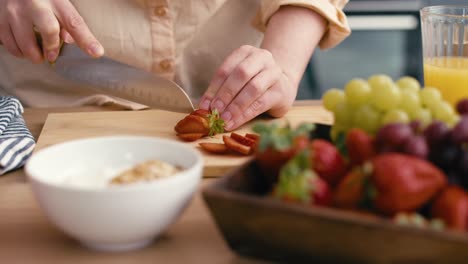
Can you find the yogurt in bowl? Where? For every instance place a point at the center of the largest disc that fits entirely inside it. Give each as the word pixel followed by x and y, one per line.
pixel 72 182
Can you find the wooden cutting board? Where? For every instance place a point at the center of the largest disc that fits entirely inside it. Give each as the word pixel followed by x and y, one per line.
pixel 67 126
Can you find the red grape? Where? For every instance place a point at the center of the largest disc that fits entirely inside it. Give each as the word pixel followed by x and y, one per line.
pixel 462 106
pixel 416 146
pixel 459 133
pixel 462 168
pixel 445 156
pixel 436 133
pixel 416 126
pixel 394 134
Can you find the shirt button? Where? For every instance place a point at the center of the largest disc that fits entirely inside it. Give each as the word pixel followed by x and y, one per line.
pixel 166 64
pixel 160 11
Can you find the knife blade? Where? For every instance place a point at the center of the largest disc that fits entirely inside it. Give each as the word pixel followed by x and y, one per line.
pixel 123 81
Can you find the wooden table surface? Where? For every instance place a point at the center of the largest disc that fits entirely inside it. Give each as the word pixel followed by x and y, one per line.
pixel 26 236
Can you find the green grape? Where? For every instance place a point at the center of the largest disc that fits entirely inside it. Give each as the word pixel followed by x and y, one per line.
pixel 408 83
pixel 386 96
pixel 357 92
pixel 395 116
pixel 410 102
pixel 430 96
pixel 422 114
pixel 378 80
pixel 453 120
pixel 343 114
pixel 442 111
pixel 332 97
pixel 367 118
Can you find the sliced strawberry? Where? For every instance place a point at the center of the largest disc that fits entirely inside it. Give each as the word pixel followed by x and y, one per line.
pixel 192 124
pixel 201 112
pixel 190 136
pixel 217 148
pixel 243 140
pixel 232 144
pixel 253 136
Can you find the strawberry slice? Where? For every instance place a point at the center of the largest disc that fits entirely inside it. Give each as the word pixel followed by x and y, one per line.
pixel 242 139
pixel 192 124
pixel 190 136
pixel 216 148
pixel 255 137
pixel 232 144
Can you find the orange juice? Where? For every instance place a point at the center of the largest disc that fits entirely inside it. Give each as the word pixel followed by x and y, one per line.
pixel 449 75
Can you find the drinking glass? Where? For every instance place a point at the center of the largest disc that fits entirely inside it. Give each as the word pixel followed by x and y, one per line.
pixel 445 50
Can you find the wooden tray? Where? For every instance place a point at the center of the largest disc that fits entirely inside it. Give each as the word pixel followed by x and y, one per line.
pixel 256 225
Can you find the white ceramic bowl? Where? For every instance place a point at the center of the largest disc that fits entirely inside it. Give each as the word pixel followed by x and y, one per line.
pixel 119 217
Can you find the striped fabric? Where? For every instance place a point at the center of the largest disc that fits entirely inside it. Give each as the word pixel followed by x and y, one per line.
pixel 16 142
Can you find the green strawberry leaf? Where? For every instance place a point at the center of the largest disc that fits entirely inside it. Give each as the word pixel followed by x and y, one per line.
pixel 215 122
pixel 294 180
pixel 279 138
pixel 370 191
pixel 340 144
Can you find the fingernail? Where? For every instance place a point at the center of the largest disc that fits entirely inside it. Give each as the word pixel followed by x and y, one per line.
pixel 51 56
pixel 205 104
pixel 219 105
pixel 226 116
pixel 96 50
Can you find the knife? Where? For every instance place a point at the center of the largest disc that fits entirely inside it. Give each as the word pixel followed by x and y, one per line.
pixel 123 81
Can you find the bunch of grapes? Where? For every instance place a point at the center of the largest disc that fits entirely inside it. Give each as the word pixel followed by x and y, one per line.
pixel 444 146
pixel 372 103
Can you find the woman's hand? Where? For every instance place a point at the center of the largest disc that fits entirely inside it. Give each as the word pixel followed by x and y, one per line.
pixel 52 19
pixel 252 80
pixel 247 84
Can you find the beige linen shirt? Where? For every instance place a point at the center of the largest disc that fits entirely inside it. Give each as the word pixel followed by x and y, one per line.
pixel 181 40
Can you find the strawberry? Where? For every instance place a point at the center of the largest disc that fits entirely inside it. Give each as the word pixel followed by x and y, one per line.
pixel 192 124
pixel 360 146
pixel 201 121
pixel 350 191
pixel 242 139
pixel 299 183
pixel 451 205
pixel 190 136
pixel 236 146
pixel 216 148
pixel 201 112
pixel 276 145
pixel 215 123
pixel 403 182
pixel 327 161
pixel 255 137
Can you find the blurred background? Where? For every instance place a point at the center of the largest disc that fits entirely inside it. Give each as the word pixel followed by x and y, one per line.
pixel 386 38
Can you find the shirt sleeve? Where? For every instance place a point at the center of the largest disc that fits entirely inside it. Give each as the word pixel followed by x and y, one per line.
pixel 332 10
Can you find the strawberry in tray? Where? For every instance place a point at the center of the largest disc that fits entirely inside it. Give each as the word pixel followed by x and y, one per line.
pixel 277 145
pixel 298 182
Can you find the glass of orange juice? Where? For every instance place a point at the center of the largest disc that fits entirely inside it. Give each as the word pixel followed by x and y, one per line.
pixel 445 50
